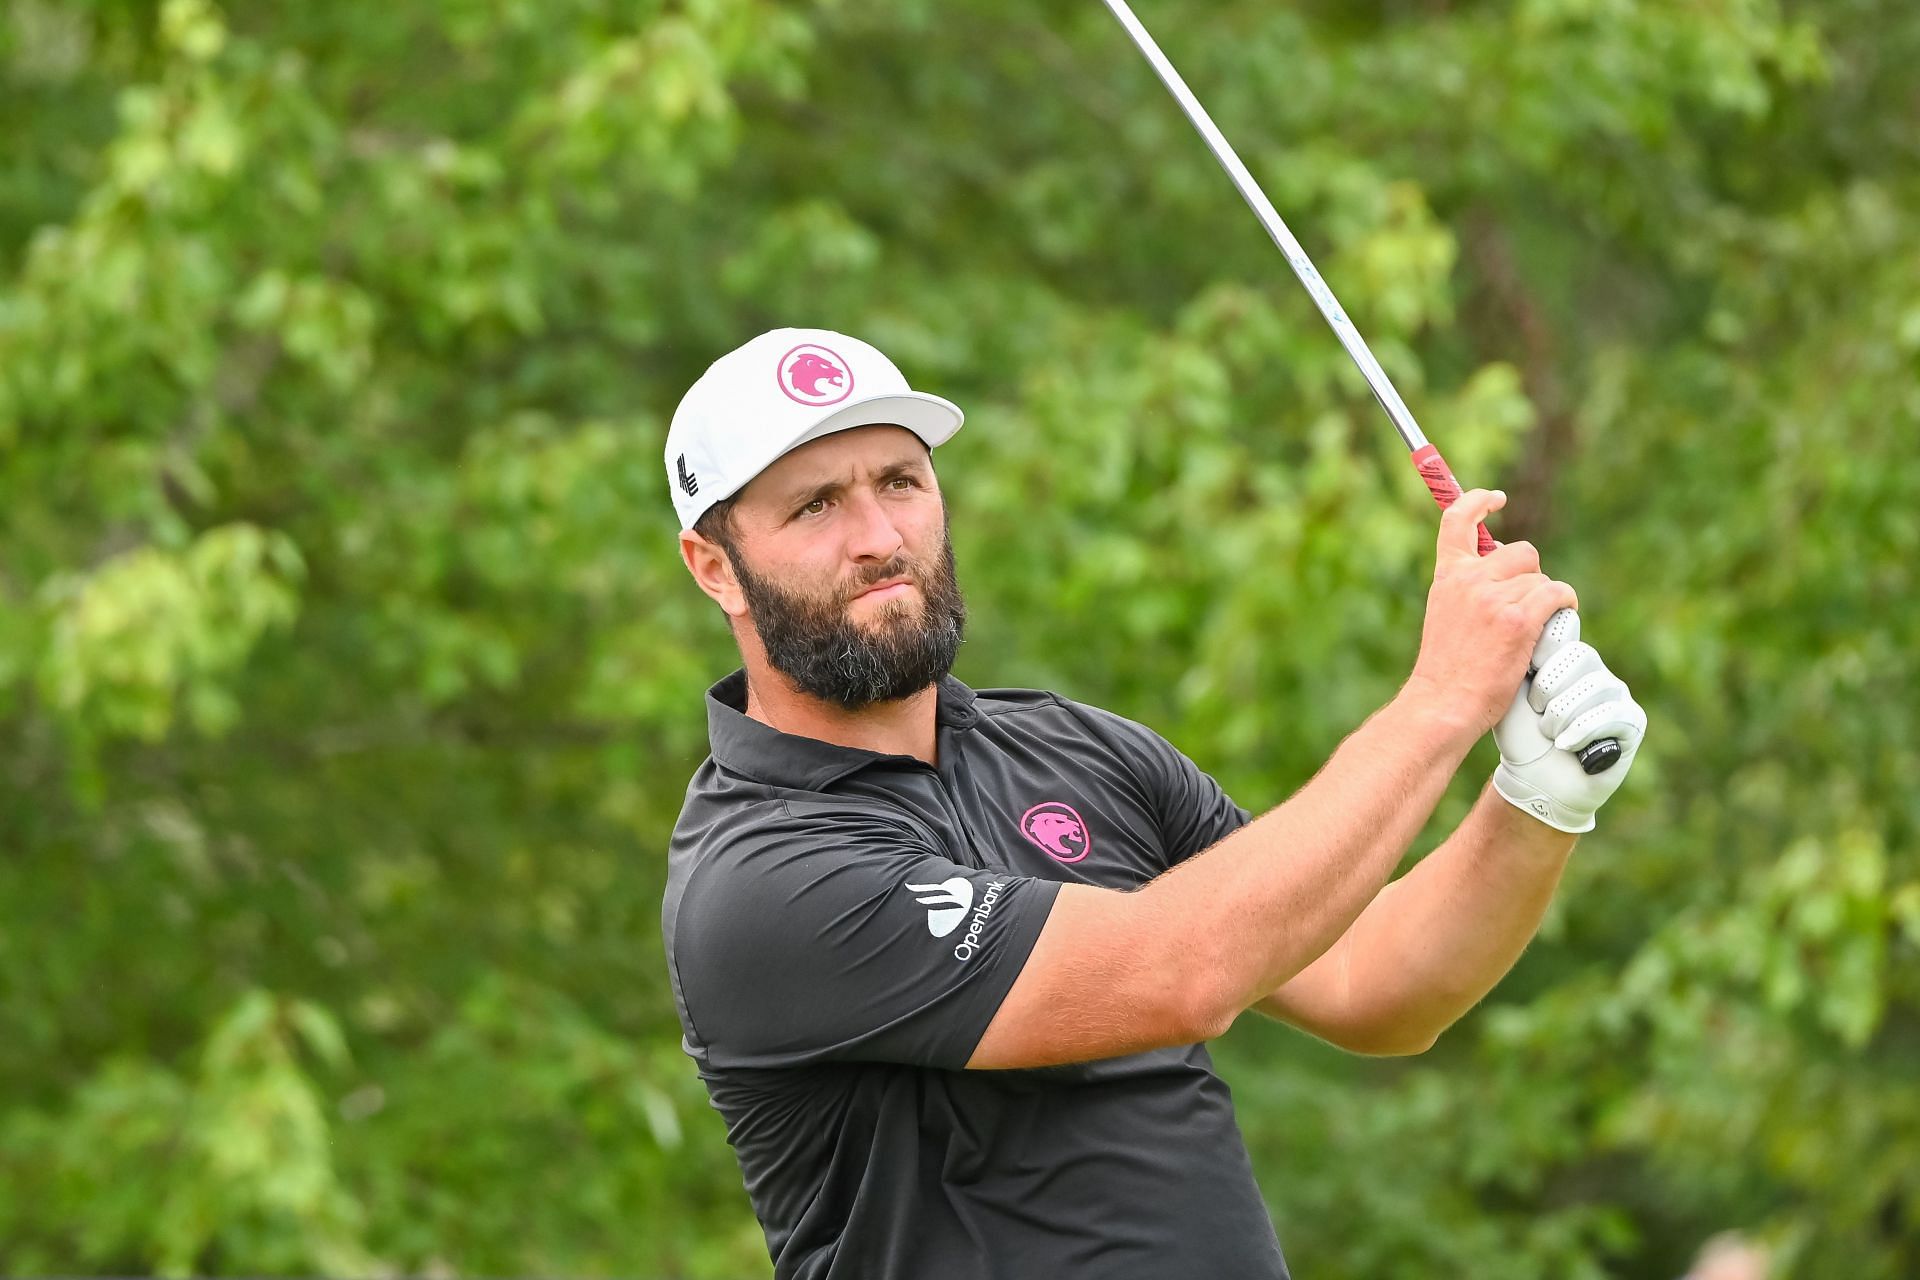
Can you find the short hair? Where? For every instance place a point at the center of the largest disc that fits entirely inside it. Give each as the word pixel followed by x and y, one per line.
pixel 716 526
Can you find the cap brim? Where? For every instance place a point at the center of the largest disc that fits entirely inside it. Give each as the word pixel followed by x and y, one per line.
pixel 931 418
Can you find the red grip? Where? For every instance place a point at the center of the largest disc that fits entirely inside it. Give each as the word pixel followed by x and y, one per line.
pixel 1444 488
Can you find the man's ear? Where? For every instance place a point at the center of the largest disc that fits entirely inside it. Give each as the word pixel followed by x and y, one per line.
pixel 713 571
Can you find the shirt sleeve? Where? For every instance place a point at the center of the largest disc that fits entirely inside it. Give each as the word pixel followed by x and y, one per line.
pixel 1193 810
pixel 830 935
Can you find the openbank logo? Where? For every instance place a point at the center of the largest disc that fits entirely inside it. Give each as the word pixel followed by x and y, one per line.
pixel 949 902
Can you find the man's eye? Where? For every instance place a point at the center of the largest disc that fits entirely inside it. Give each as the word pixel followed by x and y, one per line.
pixel 813 508
pixel 902 482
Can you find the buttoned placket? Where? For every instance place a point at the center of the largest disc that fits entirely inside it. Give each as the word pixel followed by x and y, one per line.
pixel 948 784
pixel 952 778
pixel 754 747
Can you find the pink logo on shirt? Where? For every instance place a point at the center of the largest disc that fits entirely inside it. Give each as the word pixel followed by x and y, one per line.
pixel 1056 828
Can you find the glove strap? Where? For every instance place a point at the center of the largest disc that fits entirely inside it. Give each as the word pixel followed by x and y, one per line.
pixel 1538 805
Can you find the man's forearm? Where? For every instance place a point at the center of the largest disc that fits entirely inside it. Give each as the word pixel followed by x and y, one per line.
pixel 1276 894
pixel 1437 940
pixel 1179 959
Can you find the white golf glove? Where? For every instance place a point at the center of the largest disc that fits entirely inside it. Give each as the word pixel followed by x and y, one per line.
pixel 1571 700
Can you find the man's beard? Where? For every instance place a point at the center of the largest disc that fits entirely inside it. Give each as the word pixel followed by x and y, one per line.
pixel 814 641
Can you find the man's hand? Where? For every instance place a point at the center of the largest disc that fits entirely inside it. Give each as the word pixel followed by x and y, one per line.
pixel 1570 701
pixel 1484 615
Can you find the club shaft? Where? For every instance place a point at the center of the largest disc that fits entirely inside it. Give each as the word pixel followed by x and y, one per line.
pixel 1383 391
pixel 1433 469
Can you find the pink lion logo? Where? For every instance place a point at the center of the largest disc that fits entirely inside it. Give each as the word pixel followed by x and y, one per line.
pixel 1056 828
pixel 809 371
pixel 813 375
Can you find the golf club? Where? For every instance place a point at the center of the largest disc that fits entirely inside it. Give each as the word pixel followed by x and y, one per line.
pixel 1597 756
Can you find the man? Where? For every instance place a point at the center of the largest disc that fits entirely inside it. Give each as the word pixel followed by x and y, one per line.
pixel 946 958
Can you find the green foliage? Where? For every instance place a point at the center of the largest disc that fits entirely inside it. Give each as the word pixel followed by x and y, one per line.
pixel 349 679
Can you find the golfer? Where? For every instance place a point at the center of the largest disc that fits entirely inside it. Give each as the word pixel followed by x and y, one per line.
pixel 947 958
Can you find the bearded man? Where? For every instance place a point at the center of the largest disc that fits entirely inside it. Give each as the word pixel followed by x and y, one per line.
pixel 947 959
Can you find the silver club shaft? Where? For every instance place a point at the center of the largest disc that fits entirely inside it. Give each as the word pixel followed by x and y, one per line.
pixel 1383 391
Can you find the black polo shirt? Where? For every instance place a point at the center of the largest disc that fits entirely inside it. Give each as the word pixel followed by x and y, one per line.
pixel 841 926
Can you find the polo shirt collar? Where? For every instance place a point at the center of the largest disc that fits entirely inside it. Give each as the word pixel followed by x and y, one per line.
pixel 746 746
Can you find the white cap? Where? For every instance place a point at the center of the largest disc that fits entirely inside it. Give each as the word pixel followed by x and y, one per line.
pixel 775 393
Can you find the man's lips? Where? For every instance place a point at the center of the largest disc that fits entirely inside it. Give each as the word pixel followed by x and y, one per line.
pixel 891 589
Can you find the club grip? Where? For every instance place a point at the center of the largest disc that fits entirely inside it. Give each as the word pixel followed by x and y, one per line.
pixel 1445 489
pixel 1595 757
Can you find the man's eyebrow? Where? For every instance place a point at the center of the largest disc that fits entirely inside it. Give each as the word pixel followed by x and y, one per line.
pixel 802 496
pixel 904 467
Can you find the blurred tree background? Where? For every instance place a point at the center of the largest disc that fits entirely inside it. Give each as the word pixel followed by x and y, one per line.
pixel 349 680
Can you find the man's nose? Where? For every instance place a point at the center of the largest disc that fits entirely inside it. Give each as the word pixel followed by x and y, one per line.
pixel 873 535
